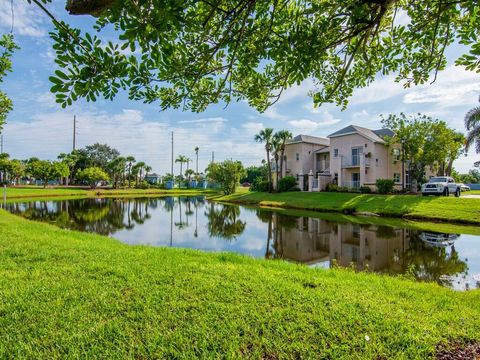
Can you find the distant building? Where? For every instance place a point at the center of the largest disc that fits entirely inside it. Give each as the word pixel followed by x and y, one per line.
pixel 153 178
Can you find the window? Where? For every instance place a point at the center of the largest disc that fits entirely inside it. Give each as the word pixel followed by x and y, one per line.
pixel 396 154
pixel 297 156
pixel 335 152
pixel 396 177
pixel 335 178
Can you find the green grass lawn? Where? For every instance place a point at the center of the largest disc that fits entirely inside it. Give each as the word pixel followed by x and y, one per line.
pixel 407 206
pixel 36 191
pixel 471 192
pixel 75 295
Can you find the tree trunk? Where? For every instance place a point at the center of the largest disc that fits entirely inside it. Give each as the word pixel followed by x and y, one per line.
pixel 276 170
pixel 269 171
pixel 448 172
pixel 282 156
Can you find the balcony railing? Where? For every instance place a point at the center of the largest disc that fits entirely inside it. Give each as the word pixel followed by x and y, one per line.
pixel 351 184
pixel 355 161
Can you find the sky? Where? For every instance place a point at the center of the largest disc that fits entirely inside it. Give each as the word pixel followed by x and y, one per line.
pixel 39 127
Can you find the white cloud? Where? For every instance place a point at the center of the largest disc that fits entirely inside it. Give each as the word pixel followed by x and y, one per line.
pixel 253 127
pixel 27 19
pixel 381 89
pixel 308 126
pixel 47 134
pixel 454 87
pixel 204 120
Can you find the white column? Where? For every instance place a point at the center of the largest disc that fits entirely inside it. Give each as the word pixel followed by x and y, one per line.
pixel 362 169
pixel 300 181
pixel 310 181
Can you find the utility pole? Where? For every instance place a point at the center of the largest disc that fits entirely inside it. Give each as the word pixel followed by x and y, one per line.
pixel 213 157
pixel 74 130
pixel 1 144
pixel 172 153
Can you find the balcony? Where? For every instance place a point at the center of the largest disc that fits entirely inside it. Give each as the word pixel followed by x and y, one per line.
pixel 355 161
pixel 351 184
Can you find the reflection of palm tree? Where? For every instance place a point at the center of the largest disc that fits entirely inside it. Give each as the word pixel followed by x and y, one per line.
pixel 224 222
pixel 181 224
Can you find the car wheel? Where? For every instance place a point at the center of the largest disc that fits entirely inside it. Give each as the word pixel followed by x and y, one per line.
pixel 423 194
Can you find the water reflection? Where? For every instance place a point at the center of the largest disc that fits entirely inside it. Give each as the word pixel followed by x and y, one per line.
pixel 195 223
pixel 428 256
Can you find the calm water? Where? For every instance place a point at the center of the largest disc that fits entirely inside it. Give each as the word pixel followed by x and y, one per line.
pixel 452 260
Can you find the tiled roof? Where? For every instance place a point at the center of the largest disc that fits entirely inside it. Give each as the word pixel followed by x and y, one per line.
pixel 309 139
pixel 374 135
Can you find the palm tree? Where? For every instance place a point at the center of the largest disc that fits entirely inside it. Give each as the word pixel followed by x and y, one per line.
pixel 130 161
pixel 140 165
pixel 472 123
pixel 181 159
pixel 196 154
pixel 265 136
pixel 189 173
pixel 276 144
pixel 283 135
pixel 147 169
pixel 116 168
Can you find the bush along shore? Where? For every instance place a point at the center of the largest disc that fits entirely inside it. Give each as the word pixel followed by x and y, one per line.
pixel 71 294
pixel 449 209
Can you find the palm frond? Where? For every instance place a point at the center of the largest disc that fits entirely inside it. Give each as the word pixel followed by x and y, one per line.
pixel 472 118
pixel 473 136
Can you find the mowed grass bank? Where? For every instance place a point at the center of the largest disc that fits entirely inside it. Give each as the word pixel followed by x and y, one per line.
pixel 450 209
pixel 40 192
pixel 69 294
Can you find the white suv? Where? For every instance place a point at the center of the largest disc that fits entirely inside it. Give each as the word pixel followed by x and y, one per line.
pixel 441 185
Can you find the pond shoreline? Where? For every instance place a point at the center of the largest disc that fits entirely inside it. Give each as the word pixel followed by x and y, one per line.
pixel 442 210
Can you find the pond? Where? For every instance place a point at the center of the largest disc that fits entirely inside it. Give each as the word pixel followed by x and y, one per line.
pixel 325 240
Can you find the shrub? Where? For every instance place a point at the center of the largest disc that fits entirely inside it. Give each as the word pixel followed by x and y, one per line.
pixel 92 175
pixel 287 183
pixel 365 189
pixel 259 184
pixel 343 189
pixel 143 185
pixel 385 186
pixel 332 187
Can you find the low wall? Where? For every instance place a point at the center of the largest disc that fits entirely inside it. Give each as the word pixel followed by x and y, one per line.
pixel 474 186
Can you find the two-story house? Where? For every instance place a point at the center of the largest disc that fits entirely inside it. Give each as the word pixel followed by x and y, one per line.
pixel 360 156
pixel 353 156
pixel 305 153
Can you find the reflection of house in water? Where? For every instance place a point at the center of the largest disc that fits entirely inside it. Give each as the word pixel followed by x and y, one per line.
pixel 314 240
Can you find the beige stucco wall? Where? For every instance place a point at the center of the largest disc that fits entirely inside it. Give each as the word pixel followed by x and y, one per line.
pixel 306 160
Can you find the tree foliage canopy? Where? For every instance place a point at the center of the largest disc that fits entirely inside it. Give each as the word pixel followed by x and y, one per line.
pixel 425 142
pixel 7 46
pixel 227 173
pixel 193 53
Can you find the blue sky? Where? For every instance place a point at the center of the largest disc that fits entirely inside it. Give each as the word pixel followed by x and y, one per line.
pixel 39 127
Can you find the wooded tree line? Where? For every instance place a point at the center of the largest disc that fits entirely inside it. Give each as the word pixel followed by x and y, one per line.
pixel 89 165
